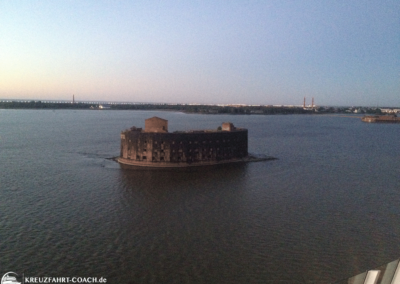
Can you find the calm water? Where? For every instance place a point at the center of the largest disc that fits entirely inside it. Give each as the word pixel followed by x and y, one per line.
pixel 326 210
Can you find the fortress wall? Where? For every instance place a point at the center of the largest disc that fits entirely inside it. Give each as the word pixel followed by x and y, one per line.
pixel 185 147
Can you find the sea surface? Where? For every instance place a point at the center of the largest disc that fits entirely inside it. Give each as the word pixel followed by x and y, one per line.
pixel 327 209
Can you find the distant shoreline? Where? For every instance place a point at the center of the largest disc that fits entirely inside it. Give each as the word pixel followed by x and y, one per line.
pixel 196 109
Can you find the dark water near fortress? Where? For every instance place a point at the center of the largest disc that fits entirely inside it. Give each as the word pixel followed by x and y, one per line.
pixel 326 210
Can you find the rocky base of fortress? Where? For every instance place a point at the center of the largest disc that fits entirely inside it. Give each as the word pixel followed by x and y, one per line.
pixel 126 163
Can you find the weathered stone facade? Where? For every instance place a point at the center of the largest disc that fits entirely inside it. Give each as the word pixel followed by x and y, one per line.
pixel 154 146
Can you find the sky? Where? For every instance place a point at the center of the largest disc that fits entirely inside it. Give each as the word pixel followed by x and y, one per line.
pixel 342 52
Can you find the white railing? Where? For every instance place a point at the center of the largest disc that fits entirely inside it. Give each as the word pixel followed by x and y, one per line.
pixel 385 274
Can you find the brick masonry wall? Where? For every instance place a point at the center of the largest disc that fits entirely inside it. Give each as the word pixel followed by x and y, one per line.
pixel 185 147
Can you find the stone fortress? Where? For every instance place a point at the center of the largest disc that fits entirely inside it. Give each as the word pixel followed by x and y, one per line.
pixel 155 147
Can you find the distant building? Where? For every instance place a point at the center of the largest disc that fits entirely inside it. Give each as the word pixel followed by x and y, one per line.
pixel 104 106
pixel 156 147
pixel 390 110
pixel 391 118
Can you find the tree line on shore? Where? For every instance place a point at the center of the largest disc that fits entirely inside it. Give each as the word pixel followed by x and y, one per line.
pixel 201 109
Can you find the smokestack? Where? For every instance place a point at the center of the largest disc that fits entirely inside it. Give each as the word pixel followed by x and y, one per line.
pixel 304 103
pixel 73 99
pixel 312 103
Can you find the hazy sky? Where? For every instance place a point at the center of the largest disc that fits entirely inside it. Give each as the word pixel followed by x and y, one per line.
pixel 341 52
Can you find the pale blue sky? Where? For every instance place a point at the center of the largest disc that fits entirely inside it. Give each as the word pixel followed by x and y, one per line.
pixel 252 52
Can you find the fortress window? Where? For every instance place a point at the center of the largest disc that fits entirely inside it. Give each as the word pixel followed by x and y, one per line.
pixel 161 158
pixel 137 157
pixel 144 158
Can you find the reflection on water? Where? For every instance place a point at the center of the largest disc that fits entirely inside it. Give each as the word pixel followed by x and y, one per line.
pixel 187 219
